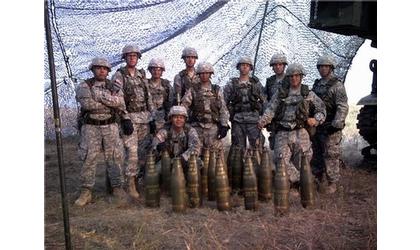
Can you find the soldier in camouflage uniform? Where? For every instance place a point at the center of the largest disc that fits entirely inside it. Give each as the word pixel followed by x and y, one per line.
pixel 278 63
pixel 161 91
pixel 326 142
pixel 177 137
pixel 209 115
pixel 295 107
pixel 245 99
pixel 100 104
pixel 187 77
pixel 140 117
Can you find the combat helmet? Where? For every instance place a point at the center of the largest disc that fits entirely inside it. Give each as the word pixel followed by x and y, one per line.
pixel 100 61
pixel 245 60
pixel 130 48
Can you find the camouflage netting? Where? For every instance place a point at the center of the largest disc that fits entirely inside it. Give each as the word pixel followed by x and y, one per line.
pixel 221 31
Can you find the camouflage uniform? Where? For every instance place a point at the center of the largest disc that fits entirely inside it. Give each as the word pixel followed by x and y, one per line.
pixel 208 111
pixel 271 85
pixel 162 96
pixel 245 101
pixel 182 143
pixel 140 111
pixel 99 104
pixel 292 108
pixel 326 142
pixel 183 81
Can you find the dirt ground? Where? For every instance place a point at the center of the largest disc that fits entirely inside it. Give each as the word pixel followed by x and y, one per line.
pixel 345 220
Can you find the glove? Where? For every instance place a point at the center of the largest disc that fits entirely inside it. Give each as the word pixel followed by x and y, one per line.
pixel 222 131
pixel 127 126
pixel 152 126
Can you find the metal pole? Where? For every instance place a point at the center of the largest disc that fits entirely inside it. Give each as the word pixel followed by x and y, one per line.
pixel 259 37
pixel 57 124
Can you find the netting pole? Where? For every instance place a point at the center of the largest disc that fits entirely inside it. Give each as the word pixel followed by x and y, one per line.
pixel 57 125
pixel 259 37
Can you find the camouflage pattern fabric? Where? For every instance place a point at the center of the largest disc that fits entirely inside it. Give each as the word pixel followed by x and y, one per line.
pixel 159 97
pixel 327 153
pixel 288 144
pixel 136 144
pixel 98 101
pixel 208 132
pixel 326 145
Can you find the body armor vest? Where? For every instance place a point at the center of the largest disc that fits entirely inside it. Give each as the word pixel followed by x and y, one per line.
pixel 180 144
pixel 303 108
pixel 135 96
pixel 166 104
pixel 84 118
pixel 186 82
pixel 271 81
pixel 323 92
pixel 198 105
pixel 246 98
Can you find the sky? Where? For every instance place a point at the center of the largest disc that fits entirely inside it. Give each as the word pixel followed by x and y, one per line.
pixel 359 77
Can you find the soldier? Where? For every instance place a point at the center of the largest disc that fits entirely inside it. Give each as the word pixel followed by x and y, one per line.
pixel 179 138
pixel 278 63
pixel 209 115
pixel 186 77
pixel 245 99
pixel 326 142
pixel 100 103
pixel 160 90
pixel 140 114
pixel 292 104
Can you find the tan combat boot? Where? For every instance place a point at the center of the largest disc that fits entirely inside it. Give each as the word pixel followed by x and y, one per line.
pixel 332 188
pixel 84 198
pixel 132 190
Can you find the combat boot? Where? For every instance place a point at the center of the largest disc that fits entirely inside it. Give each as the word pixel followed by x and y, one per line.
pixel 332 188
pixel 132 190
pixel 84 198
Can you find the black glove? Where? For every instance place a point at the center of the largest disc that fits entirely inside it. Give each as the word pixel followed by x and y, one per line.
pixel 222 131
pixel 127 126
pixel 152 126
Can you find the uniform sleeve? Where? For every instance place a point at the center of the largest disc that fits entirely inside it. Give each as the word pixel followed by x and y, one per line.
pixel 159 138
pixel 171 95
pixel 227 92
pixel 267 90
pixel 177 84
pixel 263 95
pixel 340 98
pixel 85 98
pixel 319 107
pixel 117 81
pixel 194 144
pixel 270 110
pixel 150 104
pixel 103 95
pixel 187 99
pixel 224 113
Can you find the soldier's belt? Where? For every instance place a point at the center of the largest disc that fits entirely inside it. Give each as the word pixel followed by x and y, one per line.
pixel 282 128
pixel 91 121
pixel 136 110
